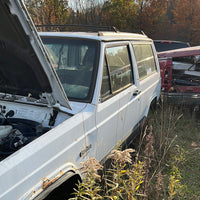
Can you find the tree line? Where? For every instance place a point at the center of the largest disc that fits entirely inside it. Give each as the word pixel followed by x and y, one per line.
pixel 159 19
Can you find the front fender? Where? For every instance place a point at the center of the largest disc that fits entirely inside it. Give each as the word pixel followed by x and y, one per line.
pixel 52 181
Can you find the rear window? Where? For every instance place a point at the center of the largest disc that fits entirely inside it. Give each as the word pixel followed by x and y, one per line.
pixel 166 46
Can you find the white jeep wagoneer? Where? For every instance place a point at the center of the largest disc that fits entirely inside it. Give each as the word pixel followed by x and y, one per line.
pixel 72 98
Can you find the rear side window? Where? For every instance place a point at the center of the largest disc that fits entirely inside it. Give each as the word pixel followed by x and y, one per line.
pixel 145 59
pixel 117 72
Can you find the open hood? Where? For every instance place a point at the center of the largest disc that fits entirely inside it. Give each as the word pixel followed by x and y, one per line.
pixel 25 68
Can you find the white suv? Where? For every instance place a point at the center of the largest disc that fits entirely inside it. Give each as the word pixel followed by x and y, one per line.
pixel 67 102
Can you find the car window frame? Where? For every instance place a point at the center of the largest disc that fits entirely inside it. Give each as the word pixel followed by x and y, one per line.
pixel 154 55
pixel 132 63
pixel 95 71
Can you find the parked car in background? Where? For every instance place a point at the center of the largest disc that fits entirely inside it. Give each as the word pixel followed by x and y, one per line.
pixel 62 103
pixel 180 80
pixel 167 45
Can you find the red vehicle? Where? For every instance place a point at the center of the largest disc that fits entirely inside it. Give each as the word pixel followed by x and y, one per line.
pixel 181 80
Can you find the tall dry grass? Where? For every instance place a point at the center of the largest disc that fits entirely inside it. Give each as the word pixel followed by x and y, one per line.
pixel 150 171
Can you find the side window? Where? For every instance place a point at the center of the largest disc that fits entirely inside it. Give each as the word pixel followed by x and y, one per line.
pixel 117 72
pixel 105 87
pixel 145 59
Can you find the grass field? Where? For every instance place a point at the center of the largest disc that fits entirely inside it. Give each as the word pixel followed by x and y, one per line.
pixel 188 131
pixel 178 129
pixel 165 162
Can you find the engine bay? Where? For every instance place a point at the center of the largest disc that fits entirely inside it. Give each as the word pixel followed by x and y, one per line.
pixel 16 133
pixel 22 123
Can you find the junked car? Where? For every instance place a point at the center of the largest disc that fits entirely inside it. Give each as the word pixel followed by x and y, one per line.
pixel 181 81
pixel 169 45
pixel 62 103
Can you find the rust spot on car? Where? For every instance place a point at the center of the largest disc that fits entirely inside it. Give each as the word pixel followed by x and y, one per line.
pixel 47 182
pixel 33 193
pixel 61 173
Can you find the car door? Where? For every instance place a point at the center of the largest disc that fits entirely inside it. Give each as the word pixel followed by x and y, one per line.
pixel 149 74
pixel 117 112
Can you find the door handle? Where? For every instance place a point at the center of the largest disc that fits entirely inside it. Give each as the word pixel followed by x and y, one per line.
pixel 136 92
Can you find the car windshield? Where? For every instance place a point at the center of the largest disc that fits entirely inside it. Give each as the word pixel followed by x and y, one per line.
pixel 75 62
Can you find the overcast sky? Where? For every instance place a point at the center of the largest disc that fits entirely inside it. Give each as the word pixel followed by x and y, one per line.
pixel 73 3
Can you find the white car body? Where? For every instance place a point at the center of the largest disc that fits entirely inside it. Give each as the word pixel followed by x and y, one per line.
pixel 67 131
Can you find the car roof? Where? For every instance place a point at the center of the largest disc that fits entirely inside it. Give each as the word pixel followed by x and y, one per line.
pixel 100 36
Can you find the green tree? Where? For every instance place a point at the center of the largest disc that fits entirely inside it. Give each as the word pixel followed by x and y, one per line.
pixel 120 13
